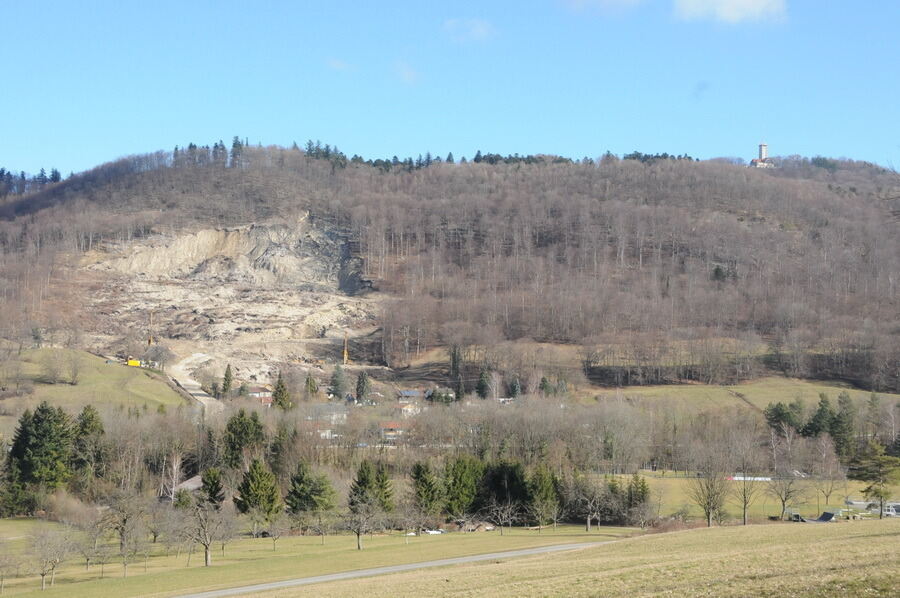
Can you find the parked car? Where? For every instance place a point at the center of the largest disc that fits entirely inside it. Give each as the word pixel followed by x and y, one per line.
pixel 892 510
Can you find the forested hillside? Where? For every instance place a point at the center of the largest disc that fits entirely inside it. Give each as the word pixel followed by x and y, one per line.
pixel 657 269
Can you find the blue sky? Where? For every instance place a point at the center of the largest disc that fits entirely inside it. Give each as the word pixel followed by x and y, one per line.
pixel 86 82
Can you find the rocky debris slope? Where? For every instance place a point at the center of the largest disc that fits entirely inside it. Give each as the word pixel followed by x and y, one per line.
pixel 296 254
pixel 254 296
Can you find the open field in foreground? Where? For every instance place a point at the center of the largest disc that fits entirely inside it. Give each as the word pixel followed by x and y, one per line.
pixel 249 560
pixel 841 559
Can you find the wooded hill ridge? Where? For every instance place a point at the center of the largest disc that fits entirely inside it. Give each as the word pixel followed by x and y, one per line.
pixel 658 269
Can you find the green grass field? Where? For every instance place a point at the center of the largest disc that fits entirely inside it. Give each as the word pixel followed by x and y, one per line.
pixel 251 560
pixel 99 383
pixel 756 393
pixel 674 494
pixel 789 559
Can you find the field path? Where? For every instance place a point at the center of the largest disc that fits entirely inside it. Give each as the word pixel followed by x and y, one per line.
pixel 180 372
pixel 302 581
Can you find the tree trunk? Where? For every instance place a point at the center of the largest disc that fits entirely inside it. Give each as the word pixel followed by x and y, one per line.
pixel 124 569
pixel 359 541
pixel 52 577
pixel 709 519
pixel 207 556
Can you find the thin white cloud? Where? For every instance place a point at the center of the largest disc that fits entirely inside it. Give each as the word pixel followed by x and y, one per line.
pixel 407 74
pixel 731 11
pixel 468 30
pixel 603 5
pixel 338 65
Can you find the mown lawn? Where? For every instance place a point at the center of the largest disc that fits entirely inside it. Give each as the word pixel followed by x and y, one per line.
pixel 789 559
pixel 249 560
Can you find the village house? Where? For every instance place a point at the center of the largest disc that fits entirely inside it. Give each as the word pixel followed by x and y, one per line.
pixel 331 413
pixel 409 396
pixel 405 410
pixel 392 432
pixel 263 394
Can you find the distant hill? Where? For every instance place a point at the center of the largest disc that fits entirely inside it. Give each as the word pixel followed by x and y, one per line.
pixel 674 262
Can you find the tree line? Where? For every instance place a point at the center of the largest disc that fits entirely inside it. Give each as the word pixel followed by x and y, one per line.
pixel 640 263
pixel 21 183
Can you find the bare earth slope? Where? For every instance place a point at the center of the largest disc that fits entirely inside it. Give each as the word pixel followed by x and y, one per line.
pixel 253 295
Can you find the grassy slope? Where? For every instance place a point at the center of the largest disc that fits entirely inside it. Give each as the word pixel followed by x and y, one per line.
pixel 759 393
pixel 675 496
pixel 99 383
pixel 253 561
pixel 845 559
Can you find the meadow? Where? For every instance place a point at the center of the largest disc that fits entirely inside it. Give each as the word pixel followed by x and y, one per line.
pixel 99 383
pixel 253 560
pixel 786 559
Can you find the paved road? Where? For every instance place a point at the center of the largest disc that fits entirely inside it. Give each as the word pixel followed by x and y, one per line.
pixel 303 581
pixel 180 372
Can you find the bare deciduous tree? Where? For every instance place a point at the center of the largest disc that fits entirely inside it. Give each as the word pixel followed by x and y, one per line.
pixel 209 525
pixel 363 518
pixel 787 490
pixel 502 513
pixel 50 548
pixel 709 489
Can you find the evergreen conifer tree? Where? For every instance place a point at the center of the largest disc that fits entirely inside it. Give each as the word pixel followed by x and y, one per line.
pixel 546 388
pixel 843 426
pixel 308 492
pixel 242 433
pixel 310 385
pixel 460 389
pixel 42 446
pixel 227 380
pixel 258 491
pixel 542 495
pixel 212 491
pixel 483 388
pixel 821 420
pixel 384 489
pixel 280 396
pixel 338 383
pixel 363 489
pixel 426 488
pixel 463 476
pixel 362 386
pixel 88 448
